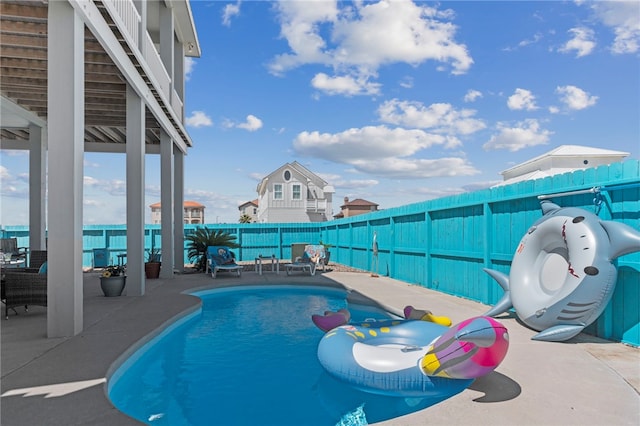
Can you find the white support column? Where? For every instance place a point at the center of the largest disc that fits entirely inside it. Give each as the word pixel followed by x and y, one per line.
pixel 178 201
pixel 66 152
pixel 37 187
pixel 135 193
pixel 167 204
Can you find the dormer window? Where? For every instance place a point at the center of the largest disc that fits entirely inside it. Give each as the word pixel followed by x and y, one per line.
pixel 287 175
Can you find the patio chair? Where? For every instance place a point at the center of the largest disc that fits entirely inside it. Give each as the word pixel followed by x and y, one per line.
pixel 22 288
pixel 220 258
pixel 36 259
pixel 10 246
pixel 313 257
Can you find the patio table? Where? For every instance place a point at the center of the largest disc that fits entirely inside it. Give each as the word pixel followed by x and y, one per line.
pixel 275 264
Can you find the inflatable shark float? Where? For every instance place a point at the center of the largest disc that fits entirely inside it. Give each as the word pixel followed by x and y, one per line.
pixel 562 275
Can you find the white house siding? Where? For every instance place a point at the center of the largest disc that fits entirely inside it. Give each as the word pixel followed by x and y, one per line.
pixel 314 204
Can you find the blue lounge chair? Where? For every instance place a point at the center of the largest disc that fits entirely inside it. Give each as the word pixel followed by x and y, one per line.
pixel 313 257
pixel 220 258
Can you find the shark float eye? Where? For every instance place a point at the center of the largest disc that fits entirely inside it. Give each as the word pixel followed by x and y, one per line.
pixel 591 270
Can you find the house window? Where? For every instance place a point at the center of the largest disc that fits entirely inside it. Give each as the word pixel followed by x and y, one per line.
pixel 287 175
pixel 296 195
pixel 277 191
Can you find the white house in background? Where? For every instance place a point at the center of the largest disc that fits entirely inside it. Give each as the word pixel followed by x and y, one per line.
pixel 250 208
pixel 563 159
pixel 294 194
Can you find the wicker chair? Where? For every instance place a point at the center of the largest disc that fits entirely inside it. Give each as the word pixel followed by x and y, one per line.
pixel 21 288
pixel 36 259
pixel 10 245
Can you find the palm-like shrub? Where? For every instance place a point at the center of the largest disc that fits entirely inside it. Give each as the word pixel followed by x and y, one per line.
pixel 201 238
pixel 245 218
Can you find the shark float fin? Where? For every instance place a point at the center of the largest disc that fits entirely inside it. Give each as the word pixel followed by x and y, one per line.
pixel 624 239
pixel 549 207
pixel 558 333
pixel 504 304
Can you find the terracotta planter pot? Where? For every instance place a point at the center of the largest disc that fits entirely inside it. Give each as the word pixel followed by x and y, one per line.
pixel 152 270
pixel 113 286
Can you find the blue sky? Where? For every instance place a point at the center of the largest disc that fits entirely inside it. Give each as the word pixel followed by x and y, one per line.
pixel 395 102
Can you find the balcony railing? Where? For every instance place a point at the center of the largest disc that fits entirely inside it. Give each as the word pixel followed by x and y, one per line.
pixel 126 17
pixel 318 205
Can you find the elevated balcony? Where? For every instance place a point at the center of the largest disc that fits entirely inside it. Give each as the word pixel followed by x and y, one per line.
pixel 127 20
pixel 316 205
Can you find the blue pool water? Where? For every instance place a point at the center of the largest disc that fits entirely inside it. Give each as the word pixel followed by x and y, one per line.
pixel 249 358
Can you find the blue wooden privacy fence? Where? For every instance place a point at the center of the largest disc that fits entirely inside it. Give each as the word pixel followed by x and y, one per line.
pixel 443 244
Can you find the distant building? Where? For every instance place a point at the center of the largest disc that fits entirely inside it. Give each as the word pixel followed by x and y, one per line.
pixel 193 212
pixel 292 193
pixel 563 159
pixel 250 208
pixel 355 207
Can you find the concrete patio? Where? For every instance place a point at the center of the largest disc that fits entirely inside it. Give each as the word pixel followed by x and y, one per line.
pixel 585 381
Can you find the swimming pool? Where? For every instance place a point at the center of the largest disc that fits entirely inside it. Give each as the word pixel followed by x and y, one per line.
pixel 248 357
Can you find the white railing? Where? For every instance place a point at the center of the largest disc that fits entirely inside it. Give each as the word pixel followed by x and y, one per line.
pixel 177 104
pixel 152 58
pixel 316 205
pixel 126 17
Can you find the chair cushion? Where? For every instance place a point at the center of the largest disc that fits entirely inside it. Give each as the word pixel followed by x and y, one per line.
pixel 43 268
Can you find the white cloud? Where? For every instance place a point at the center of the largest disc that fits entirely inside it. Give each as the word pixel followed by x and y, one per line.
pixel 4 174
pixel 406 82
pixel 92 203
pixel 252 123
pixel 189 65
pixel 582 42
pixel 536 38
pixel 575 98
pixel 339 182
pixel 13 186
pixel 622 18
pixel 477 186
pixel 472 95
pixel 230 11
pixel 524 134
pixel 198 119
pixel 439 117
pixel 383 152
pixel 358 38
pixel 115 187
pixel 344 85
pixel 404 168
pixel 257 176
pixel 522 99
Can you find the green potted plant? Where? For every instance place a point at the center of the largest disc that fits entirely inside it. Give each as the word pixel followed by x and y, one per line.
pixel 113 280
pixel 201 238
pixel 152 266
